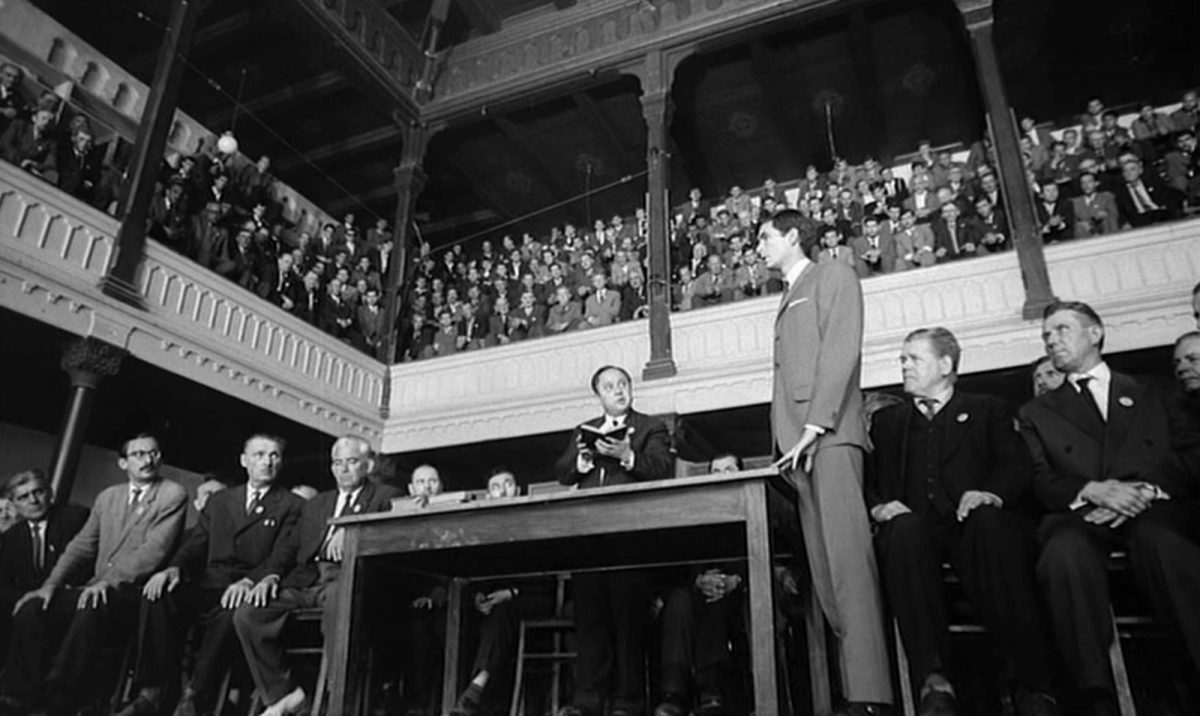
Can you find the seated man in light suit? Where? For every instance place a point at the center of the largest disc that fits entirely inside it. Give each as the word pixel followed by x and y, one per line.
pixel 89 602
pixel 612 608
pixel 947 481
pixel 308 576
pixel 1116 464
pixel 603 305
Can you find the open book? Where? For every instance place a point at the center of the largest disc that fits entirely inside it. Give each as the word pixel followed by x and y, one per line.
pixel 590 434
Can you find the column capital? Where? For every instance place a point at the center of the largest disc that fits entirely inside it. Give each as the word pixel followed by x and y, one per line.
pixel 89 360
pixel 976 13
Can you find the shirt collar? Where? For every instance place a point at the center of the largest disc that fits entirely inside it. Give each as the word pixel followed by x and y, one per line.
pixel 942 399
pixel 794 272
pixel 1100 372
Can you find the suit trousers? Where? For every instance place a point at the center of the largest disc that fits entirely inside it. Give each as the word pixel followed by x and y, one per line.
pixel 1164 552
pixel 260 631
pixel 612 615
pixel 696 638
pixel 55 650
pixel 837 533
pixel 424 648
pixel 992 552
pixel 163 636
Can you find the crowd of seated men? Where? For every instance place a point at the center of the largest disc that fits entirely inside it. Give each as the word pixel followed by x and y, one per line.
pixel 1027 524
pixel 220 210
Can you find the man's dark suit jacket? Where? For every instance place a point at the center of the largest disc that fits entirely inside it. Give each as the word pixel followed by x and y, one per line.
pixel 968 232
pixel 17 573
pixel 79 177
pixel 980 451
pixel 226 544
pixel 650 442
pixel 1064 209
pixel 18 144
pixel 304 544
pixel 1147 437
pixel 1169 200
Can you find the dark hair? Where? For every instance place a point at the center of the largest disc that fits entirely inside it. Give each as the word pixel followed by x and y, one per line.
pixel 602 370
pixel 1186 337
pixel 138 436
pixel 279 442
pixel 1037 362
pixel 1081 309
pixel 944 344
pixel 500 470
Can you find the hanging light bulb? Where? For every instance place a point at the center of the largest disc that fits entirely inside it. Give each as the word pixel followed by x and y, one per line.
pixel 227 144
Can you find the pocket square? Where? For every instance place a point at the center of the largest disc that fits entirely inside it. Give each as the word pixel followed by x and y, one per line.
pixel 797 302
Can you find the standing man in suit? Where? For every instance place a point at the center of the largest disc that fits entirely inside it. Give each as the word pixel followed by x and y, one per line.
pixel 89 602
pixel 818 425
pixel 30 549
pixel 308 577
pixel 1144 200
pixel 612 608
pixel 238 539
pixel 945 482
pixel 1115 464
pixel 603 305
pixel 876 252
pixel 1095 211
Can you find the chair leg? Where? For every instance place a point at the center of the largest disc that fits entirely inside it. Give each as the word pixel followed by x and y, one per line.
pixel 517 704
pixel 903 675
pixel 319 691
pixel 1116 657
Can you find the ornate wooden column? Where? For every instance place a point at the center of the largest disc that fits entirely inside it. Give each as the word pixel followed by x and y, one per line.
pixel 656 72
pixel 87 361
pixel 157 119
pixel 410 182
pixel 1022 218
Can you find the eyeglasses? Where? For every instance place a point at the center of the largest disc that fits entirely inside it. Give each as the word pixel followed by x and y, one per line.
pixel 143 454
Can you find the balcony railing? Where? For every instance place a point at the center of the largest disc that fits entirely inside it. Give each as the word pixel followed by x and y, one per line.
pixel 54 250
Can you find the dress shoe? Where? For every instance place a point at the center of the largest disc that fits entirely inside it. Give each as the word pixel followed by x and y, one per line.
pixel 670 706
pixel 140 706
pixel 1035 703
pixel 937 703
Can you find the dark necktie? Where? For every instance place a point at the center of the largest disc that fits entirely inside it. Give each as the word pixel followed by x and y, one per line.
pixel 38 542
pixel 928 407
pixel 255 497
pixel 1089 400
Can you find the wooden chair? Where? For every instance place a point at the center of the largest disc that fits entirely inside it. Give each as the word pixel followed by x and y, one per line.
pixel 304 649
pixel 557 626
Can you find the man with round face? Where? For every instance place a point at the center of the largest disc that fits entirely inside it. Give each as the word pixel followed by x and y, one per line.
pixel 30 548
pixel 1045 376
pixel 310 579
pixel 239 537
pixel 818 426
pixel 1115 462
pixel 946 482
pixel 502 484
pixel 620 446
pixel 1187 366
pixel 91 596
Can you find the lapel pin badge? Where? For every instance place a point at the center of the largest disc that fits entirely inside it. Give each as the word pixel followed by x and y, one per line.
pixel 1125 401
pixel 963 417
pixel 258 510
pixel 358 508
pixel 269 522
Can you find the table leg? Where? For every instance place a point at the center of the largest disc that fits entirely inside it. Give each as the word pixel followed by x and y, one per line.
pixel 341 689
pixel 760 594
pixel 451 658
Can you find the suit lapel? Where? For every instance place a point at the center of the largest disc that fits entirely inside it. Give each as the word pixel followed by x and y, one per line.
pixel 1067 405
pixel 955 428
pixel 130 519
pixel 1125 397
pixel 236 507
pixel 794 290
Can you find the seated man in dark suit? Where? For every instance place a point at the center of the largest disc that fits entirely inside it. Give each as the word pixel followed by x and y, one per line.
pixel 238 539
pixel 30 548
pixel 31 145
pixel 874 251
pixel 954 236
pixel 79 166
pixel 1143 200
pixel 612 608
pixel 13 102
pixel 1115 465
pixel 89 602
pixel 701 620
pixel 945 482
pixel 308 576
pixel 1055 215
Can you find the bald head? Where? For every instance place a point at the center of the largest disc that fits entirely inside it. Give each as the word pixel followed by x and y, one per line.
pixel 425 481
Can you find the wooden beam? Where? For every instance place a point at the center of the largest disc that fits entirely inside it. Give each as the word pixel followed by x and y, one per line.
pixel 596 119
pixel 471 218
pixel 206 35
pixel 313 87
pixel 482 14
pixel 337 206
pixel 367 141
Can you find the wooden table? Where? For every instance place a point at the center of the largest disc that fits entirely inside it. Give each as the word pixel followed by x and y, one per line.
pixel 641 524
